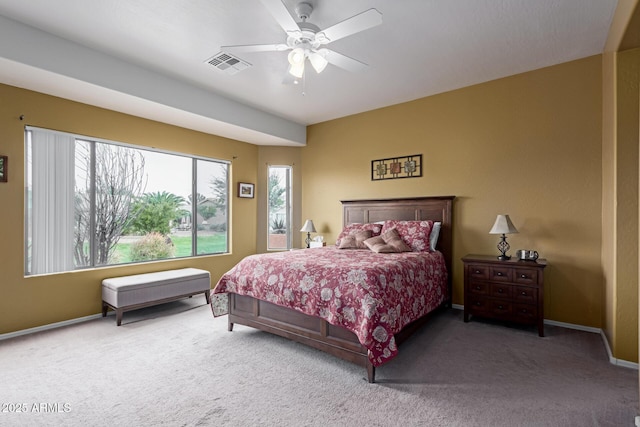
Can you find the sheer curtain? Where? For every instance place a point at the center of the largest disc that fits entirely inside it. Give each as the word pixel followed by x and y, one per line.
pixel 52 201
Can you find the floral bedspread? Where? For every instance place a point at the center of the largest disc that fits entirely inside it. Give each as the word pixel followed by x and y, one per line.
pixel 373 295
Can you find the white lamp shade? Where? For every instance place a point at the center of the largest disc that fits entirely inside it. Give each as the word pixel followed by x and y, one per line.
pixel 296 56
pixel 308 227
pixel 503 225
pixel 318 61
pixel 296 70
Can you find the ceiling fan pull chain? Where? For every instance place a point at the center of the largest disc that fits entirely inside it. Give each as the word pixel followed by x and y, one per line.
pixel 304 84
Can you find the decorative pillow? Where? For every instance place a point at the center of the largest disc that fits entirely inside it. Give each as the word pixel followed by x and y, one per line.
pixel 435 233
pixel 376 229
pixel 355 240
pixel 387 242
pixel 414 233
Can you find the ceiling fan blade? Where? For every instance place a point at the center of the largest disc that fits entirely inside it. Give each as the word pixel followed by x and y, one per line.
pixel 344 62
pixel 363 21
pixel 281 14
pixel 255 48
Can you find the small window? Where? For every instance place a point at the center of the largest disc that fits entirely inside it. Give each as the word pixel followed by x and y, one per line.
pixel 279 209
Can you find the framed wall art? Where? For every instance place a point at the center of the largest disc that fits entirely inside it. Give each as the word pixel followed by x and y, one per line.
pixel 397 167
pixel 3 168
pixel 245 190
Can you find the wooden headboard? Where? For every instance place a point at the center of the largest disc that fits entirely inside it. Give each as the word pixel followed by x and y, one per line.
pixel 438 208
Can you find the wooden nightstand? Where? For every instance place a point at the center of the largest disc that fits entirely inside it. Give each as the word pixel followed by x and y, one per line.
pixel 504 290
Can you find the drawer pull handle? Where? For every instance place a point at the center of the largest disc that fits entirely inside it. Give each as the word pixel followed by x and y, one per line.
pixel 477 272
pixel 499 273
pixel 524 293
pixel 500 290
pixel 478 287
pixel 478 303
pixel 500 307
pixel 524 276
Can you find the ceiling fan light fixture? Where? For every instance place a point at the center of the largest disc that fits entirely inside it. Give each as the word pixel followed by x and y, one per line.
pixel 318 61
pixel 297 70
pixel 296 56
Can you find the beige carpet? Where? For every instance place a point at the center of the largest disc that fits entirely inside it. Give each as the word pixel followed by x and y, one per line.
pixel 176 365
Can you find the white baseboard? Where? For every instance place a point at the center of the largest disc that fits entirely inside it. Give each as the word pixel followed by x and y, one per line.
pixel 612 360
pixel 52 326
pixel 573 326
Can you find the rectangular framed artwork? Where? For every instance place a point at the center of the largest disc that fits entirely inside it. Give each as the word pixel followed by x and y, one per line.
pixel 3 168
pixel 397 167
pixel 245 190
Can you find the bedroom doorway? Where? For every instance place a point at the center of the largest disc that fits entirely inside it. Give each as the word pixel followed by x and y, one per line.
pixel 279 208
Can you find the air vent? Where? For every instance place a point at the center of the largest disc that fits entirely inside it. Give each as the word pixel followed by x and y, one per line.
pixel 227 63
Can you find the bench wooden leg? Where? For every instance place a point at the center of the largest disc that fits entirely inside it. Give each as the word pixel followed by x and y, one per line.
pixel 207 295
pixel 118 316
pixel 105 307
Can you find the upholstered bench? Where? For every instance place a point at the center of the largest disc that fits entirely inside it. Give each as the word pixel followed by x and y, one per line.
pixel 143 290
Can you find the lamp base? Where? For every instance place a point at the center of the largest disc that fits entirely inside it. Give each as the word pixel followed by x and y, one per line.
pixel 503 247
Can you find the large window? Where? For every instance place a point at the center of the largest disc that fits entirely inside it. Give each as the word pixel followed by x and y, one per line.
pixel 279 208
pixel 94 203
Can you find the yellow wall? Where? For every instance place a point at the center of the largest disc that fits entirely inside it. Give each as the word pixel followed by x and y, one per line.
pixel 527 145
pixel 620 140
pixel 626 192
pixel 619 169
pixel 34 301
pixel 608 251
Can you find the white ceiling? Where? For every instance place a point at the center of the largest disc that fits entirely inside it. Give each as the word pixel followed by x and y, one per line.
pixel 147 57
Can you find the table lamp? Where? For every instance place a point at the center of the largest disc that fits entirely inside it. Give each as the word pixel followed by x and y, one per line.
pixel 503 225
pixel 308 228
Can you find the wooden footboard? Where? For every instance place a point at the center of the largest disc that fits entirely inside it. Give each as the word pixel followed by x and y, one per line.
pixel 299 327
pixel 309 330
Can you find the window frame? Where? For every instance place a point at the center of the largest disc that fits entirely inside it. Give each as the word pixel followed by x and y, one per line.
pixel 92 251
pixel 288 184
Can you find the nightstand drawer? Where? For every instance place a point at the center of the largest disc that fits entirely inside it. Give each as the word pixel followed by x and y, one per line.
pixel 478 271
pixel 479 288
pixel 525 312
pixel 499 290
pixel 479 305
pixel 528 276
pixel 501 274
pixel 501 308
pixel 525 294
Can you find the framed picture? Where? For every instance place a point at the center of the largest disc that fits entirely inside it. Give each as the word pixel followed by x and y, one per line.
pixel 397 167
pixel 245 190
pixel 3 168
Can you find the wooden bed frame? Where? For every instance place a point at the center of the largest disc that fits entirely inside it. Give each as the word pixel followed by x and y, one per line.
pixel 317 332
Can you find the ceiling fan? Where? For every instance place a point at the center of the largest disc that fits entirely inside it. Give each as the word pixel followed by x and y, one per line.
pixel 307 41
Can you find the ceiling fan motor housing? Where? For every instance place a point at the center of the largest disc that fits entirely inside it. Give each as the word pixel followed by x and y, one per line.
pixel 303 10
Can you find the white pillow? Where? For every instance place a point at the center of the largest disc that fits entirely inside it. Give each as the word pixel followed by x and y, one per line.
pixel 435 232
